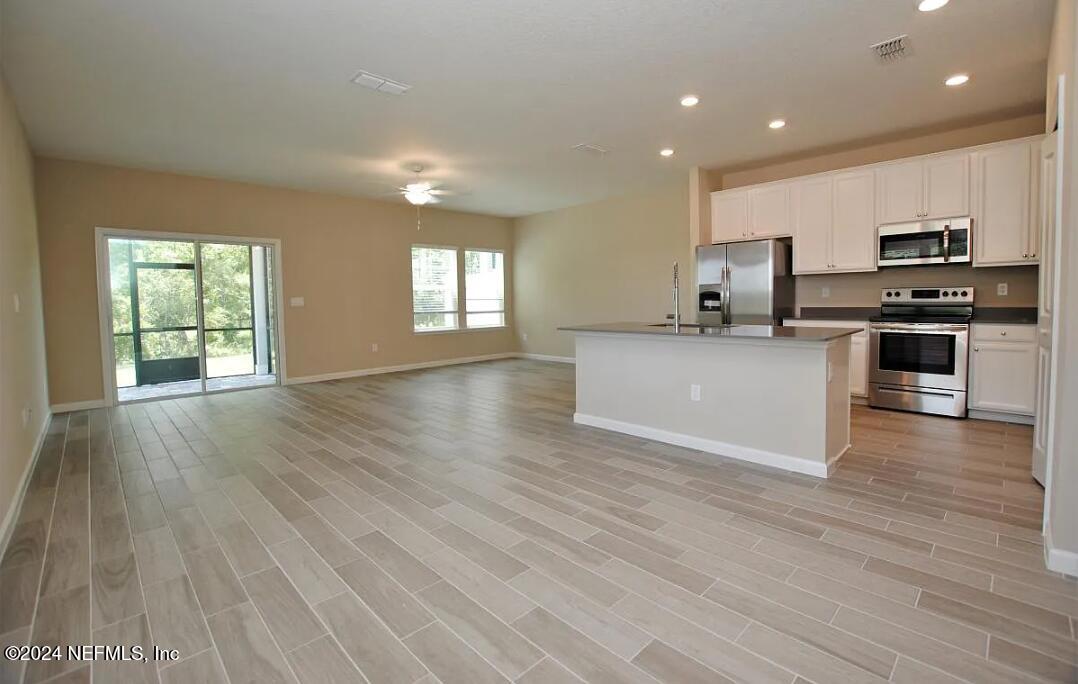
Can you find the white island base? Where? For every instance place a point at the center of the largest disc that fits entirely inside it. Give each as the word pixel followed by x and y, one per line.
pixel 773 401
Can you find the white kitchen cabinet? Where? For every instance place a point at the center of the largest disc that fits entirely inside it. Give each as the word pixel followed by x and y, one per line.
pixel 769 211
pixel 853 235
pixel 947 185
pixel 813 200
pixel 1003 368
pixel 858 349
pixel 935 186
pixel 901 189
pixel 833 222
pixel 1004 231
pixel 729 215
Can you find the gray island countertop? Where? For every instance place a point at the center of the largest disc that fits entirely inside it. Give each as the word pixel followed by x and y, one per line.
pixel 725 332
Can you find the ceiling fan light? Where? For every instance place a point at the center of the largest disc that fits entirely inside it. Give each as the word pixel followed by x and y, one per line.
pixel 418 196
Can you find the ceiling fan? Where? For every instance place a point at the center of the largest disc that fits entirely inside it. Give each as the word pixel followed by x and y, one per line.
pixel 421 193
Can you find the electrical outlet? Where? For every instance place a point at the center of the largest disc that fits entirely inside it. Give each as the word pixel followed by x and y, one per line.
pixel 296 301
pixel 1001 289
pixel 17 302
pixel 524 336
pixel 27 414
pixel 694 392
pixel 825 292
pixel 374 347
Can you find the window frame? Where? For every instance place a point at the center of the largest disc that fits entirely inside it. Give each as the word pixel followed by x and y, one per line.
pixel 504 311
pixel 461 311
pixel 456 278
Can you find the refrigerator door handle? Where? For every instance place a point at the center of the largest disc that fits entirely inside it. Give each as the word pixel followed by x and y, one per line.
pixel 726 314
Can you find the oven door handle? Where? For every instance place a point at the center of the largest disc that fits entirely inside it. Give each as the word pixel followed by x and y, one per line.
pixel 922 328
pixel 946 242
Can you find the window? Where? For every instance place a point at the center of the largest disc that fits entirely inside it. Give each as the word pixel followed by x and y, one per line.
pixel 484 288
pixel 434 288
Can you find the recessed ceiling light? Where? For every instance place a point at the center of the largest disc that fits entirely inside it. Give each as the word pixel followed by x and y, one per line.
pixel 666 152
pixel 690 101
pixel 957 80
pixel 931 5
pixel 776 124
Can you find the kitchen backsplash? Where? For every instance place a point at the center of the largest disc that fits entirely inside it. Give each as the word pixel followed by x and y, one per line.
pixel 863 289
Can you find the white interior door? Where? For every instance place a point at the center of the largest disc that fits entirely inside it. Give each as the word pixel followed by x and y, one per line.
pixel 1045 306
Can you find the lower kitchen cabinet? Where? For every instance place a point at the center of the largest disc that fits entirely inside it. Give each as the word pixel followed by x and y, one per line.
pixel 1003 368
pixel 858 350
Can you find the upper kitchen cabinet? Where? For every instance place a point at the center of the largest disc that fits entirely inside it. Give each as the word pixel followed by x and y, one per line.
pixel 729 215
pixel 1004 230
pixel 833 221
pixel 769 211
pixel 751 213
pixel 853 237
pixel 930 187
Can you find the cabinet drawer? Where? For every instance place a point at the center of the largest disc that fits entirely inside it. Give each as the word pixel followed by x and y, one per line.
pixel 993 332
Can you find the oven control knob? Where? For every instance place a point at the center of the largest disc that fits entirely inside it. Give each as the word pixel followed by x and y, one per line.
pixel 954 293
pixel 945 293
pixel 964 293
pixel 889 294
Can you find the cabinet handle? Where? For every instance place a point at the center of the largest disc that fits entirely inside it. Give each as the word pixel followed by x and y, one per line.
pixel 1025 256
pixel 1003 332
pixel 976 349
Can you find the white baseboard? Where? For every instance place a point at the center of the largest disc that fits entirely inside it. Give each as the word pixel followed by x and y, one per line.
pixel 741 453
pixel 301 380
pixel 1000 416
pixel 1059 560
pixel 20 492
pixel 78 406
pixel 546 357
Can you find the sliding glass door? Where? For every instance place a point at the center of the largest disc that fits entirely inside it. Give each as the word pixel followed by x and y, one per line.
pixel 190 316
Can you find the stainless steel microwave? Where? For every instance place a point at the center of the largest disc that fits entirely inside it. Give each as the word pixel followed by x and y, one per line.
pixel 943 241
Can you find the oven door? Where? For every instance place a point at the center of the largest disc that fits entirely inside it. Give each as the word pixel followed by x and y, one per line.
pixel 929 242
pixel 933 355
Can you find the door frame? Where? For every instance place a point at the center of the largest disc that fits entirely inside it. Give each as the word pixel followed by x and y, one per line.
pixel 104 300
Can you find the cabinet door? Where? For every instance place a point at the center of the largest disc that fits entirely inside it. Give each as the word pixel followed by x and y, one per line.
pixel 769 211
pixel 859 365
pixel 1004 377
pixel 853 228
pixel 729 215
pixel 812 216
pixel 1001 222
pixel 946 186
pixel 901 192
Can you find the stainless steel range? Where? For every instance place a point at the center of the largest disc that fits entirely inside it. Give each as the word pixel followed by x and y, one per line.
pixel 919 350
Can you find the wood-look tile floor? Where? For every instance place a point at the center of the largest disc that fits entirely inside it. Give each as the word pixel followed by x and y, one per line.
pixel 454 525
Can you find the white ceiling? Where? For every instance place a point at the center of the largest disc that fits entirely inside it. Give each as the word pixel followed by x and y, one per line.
pixel 259 90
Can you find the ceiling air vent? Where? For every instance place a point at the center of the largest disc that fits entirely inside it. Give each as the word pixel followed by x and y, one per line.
pixel 892 49
pixel 591 148
pixel 380 84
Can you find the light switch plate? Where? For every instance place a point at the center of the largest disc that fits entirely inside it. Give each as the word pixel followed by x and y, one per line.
pixel 17 302
pixel 296 301
pixel 1001 289
pixel 694 392
pixel 825 292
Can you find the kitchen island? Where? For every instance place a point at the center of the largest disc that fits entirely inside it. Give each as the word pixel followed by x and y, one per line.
pixel 773 395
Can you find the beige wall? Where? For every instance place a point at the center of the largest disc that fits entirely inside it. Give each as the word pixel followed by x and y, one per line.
pixel 22 340
pixel 604 261
pixel 908 145
pixel 863 289
pixel 348 257
pixel 1062 509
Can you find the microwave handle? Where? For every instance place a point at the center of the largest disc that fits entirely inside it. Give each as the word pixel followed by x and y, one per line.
pixel 946 242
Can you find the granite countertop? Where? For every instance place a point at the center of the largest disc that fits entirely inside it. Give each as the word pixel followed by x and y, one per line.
pixel 988 314
pixel 726 332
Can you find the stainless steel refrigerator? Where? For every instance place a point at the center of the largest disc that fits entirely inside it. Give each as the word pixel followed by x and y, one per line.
pixel 744 283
